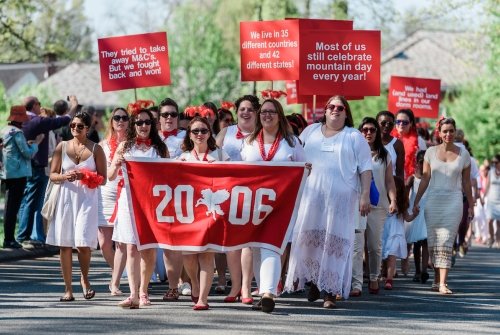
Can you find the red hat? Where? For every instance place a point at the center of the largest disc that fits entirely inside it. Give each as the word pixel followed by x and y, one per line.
pixel 18 114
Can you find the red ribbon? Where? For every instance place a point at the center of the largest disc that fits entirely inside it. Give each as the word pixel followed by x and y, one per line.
pixel 121 183
pixel 198 158
pixel 166 134
pixel 272 151
pixel 140 141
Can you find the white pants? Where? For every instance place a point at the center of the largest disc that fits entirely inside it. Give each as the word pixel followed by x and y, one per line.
pixel 267 270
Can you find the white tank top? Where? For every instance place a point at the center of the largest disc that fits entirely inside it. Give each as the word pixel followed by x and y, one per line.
pixel 174 143
pixel 232 146
pixel 392 152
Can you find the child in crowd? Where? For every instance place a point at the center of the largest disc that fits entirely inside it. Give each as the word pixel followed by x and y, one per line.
pixel 417 231
pixel 393 237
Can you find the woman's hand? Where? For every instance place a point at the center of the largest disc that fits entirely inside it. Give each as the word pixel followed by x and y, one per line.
pixel 416 209
pixel 364 204
pixel 393 207
pixel 471 214
pixel 309 168
pixel 71 176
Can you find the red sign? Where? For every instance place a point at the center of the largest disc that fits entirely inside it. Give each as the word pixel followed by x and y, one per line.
pixel 269 50
pixel 340 62
pixel 134 61
pixel 420 95
pixel 218 206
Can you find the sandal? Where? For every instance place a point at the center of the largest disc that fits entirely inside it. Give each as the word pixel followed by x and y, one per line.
pixel 435 287
pixel 67 298
pixel 171 295
pixel 355 293
pixel 144 300
pixel 115 292
pixel 388 284
pixel 129 303
pixel 329 301
pixel 88 293
pixel 443 289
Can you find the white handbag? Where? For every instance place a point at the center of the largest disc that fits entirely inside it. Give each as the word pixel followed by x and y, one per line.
pixel 51 196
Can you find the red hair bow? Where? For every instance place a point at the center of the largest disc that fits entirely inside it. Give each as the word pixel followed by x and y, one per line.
pixel 270 94
pixel 203 111
pixel 227 105
pixel 134 107
pixel 438 123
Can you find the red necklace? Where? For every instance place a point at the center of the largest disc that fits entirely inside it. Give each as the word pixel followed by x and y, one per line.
pixel 195 154
pixel 274 146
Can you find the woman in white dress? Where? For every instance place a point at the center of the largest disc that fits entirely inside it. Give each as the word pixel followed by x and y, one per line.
pixel 374 224
pixel 74 223
pixel 231 139
pixel 446 173
pixel 116 133
pixel 272 140
pixel 337 189
pixel 199 146
pixel 492 192
pixel 142 141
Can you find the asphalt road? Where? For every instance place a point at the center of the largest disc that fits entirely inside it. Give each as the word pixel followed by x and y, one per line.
pixel 30 291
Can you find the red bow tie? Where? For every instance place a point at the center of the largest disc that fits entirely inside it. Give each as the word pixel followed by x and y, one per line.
pixel 166 134
pixel 239 134
pixel 140 141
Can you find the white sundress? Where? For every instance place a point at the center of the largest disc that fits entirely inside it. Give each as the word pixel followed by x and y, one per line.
pixel 75 220
pixel 416 230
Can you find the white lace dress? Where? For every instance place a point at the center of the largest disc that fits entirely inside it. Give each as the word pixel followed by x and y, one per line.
pixel 75 219
pixel 323 238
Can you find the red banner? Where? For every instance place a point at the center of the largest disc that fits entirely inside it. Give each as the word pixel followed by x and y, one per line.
pixel 218 206
pixel 134 61
pixel 340 62
pixel 420 95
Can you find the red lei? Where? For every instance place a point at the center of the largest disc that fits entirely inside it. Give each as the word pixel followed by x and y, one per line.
pixel 272 151
pixel 410 143
pixel 113 145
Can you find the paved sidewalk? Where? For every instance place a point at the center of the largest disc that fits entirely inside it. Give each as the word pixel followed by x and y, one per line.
pixel 8 255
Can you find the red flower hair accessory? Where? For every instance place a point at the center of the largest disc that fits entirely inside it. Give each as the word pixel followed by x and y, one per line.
pixel 270 94
pixel 91 179
pixel 227 105
pixel 438 123
pixel 134 107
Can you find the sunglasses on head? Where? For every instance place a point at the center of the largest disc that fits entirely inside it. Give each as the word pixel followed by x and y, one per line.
pixel 117 118
pixel 402 122
pixel 198 131
pixel 173 115
pixel 368 130
pixel 141 122
pixel 387 123
pixel 333 107
pixel 78 126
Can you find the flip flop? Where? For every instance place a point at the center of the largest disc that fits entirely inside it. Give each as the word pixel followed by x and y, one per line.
pixel 88 293
pixel 66 299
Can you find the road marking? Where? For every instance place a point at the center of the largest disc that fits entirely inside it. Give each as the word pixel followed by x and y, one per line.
pixel 453 301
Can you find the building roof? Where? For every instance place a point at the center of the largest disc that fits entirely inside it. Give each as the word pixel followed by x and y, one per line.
pixel 453 57
pixel 84 81
pixel 13 76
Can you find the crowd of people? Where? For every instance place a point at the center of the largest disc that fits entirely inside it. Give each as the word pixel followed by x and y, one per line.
pixel 374 193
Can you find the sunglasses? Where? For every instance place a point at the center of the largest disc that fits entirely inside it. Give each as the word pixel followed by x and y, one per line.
pixel 268 112
pixel 78 126
pixel 387 124
pixel 198 131
pixel 142 122
pixel 333 107
pixel 173 115
pixel 369 130
pixel 402 122
pixel 117 118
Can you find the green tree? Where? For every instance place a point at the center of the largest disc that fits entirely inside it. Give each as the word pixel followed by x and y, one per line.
pixel 31 29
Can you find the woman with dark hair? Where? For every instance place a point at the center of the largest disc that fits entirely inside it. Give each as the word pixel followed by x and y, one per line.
pixel 199 146
pixel 446 173
pixel 337 189
pixel 406 132
pixel 230 139
pixel 393 146
pixel 226 118
pixel 16 156
pixel 115 134
pixel 213 118
pixel 272 140
pixel 492 191
pixel 74 223
pixel 374 223
pixel 142 141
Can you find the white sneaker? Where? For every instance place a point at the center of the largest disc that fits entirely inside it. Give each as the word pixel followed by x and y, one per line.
pixel 184 289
